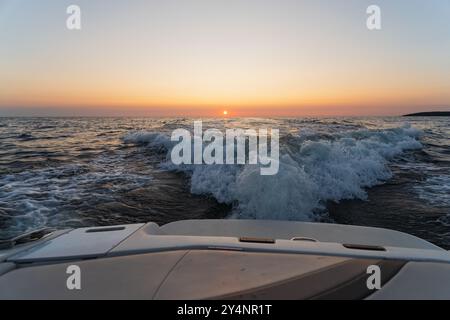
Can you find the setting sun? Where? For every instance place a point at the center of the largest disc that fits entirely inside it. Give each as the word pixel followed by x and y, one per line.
pixel 225 113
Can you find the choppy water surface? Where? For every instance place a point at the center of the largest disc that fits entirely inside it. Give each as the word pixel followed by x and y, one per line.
pixel 74 172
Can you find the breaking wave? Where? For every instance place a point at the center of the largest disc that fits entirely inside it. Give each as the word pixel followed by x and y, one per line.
pixel 314 168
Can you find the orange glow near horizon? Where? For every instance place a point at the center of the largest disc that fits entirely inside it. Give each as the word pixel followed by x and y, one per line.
pixel 249 92
pixel 324 95
pixel 324 102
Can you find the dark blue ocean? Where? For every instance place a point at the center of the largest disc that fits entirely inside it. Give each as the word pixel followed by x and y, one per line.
pixel 74 172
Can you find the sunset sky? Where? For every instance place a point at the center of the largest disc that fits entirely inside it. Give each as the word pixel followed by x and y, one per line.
pixel 200 57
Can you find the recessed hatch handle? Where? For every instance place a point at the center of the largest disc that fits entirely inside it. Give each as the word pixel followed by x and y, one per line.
pixel 304 239
pixel 364 247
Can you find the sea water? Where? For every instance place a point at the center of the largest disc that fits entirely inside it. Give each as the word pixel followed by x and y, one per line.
pixel 73 172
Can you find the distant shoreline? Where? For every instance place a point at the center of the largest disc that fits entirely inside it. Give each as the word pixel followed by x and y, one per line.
pixel 429 114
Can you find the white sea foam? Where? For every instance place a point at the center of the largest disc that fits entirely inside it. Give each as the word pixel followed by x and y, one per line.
pixel 151 139
pixel 38 197
pixel 435 190
pixel 313 170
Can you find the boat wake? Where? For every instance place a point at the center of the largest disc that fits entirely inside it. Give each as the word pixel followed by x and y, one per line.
pixel 314 168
